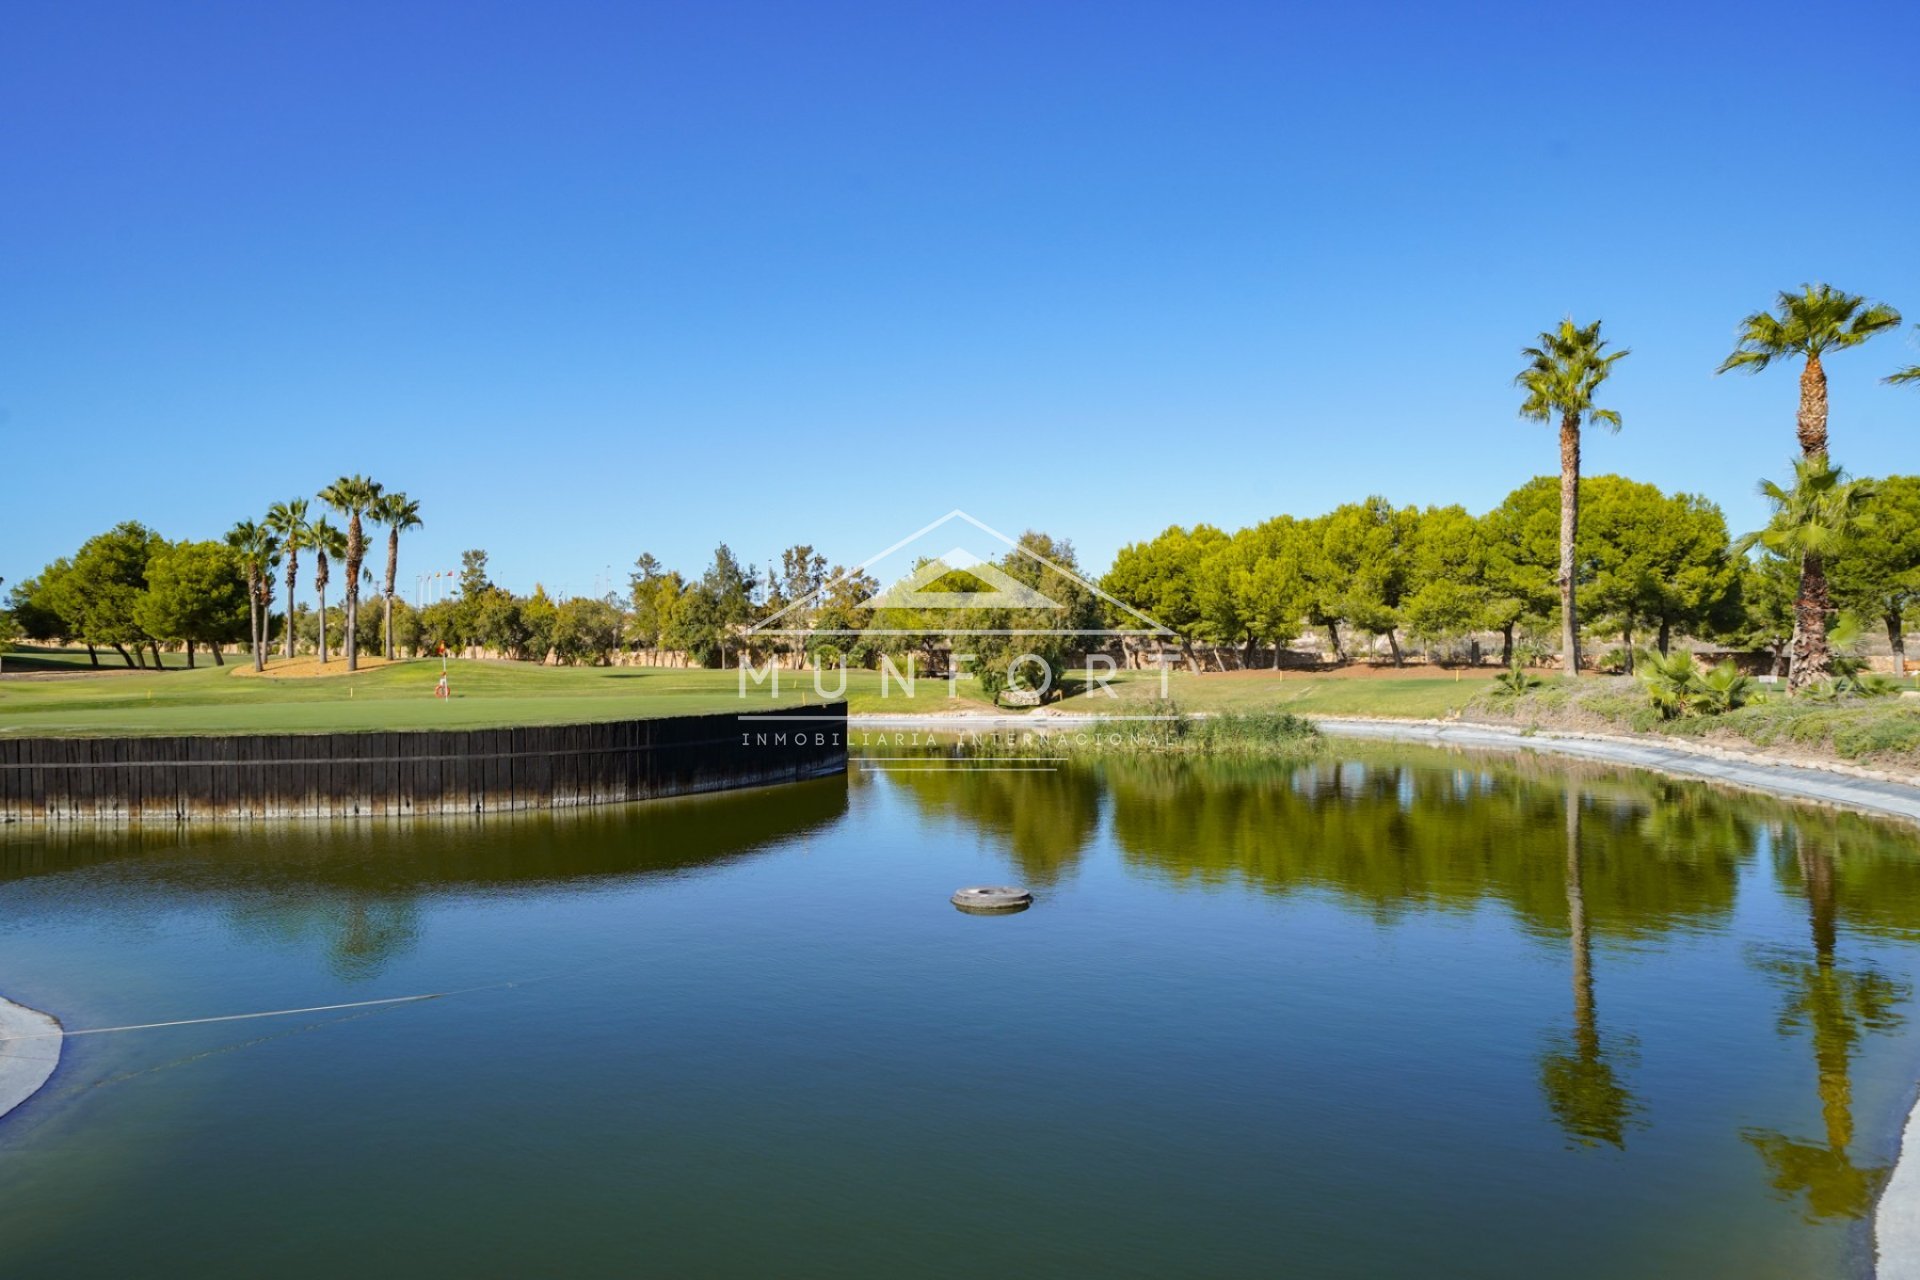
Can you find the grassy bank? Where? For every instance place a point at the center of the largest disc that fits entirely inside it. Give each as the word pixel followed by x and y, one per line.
pixel 231 699
pixel 1251 735
pixel 1878 732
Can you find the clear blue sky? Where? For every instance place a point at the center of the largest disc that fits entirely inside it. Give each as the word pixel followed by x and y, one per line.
pixel 592 280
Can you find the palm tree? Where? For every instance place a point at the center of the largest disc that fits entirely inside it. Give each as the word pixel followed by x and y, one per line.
pixel 1909 374
pixel 399 513
pixel 259 552
pixel 326 541
pixel 1809 324
pixel 353 497
pixel 1809 521
pixel 288 521
pixel 1560 379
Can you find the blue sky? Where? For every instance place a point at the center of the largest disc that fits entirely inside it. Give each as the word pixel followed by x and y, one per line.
pixel 589 280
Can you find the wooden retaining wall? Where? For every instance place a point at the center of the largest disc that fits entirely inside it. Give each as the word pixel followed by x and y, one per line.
pixel 393 774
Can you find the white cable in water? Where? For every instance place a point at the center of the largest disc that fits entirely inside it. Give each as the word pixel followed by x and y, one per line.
pixel 279 1013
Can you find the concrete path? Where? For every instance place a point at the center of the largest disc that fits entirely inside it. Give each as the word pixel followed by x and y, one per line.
pixel 29 1051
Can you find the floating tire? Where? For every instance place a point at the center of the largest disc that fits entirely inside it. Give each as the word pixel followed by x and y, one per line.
pixel 992 900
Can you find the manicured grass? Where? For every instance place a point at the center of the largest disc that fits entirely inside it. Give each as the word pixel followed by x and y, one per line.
pixel 491 694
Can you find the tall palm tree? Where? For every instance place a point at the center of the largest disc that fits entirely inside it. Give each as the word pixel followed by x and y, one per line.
pixel 327 542
pixel 1809 521
pixel 399 513
pixel 1560 380
pixel 1809 324
pixel 353 497
pixel 1909 374
pixel 259 552
pixel 288 520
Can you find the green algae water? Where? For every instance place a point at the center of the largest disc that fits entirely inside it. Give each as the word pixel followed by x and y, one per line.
pixel 1389 1013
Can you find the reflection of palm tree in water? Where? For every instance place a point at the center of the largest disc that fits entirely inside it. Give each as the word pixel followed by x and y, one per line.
pixel 1836 1006
pixel 1582 1088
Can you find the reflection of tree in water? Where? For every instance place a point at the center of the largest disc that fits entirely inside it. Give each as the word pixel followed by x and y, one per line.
pixel 361 934
pixel 1583 1089
pixel 1836 1006
pixel 1045 819
pixel 1440 830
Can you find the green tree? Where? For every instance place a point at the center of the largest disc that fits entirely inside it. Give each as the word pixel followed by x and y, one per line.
pixel 540 620
pixel 473 572
pixel 587 631
pixel 1366 553
pixel 1162 579
pixel 1810 324
pixel 35 607
pixel 1654 560
pixel 354 497
pixel 643 586
pixel 1876 571
pixel 1810 521
pixel 837 627
pixel 197 593
pixel 329 543
pixel 100 589
pixel 1448 594
pixel 1268 581
pixel 1055 634
pixel 1522 539
pixel 399 514
pixel 1562 376
pixel 288 522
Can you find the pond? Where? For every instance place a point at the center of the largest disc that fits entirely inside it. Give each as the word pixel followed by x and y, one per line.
pixel 1391 1013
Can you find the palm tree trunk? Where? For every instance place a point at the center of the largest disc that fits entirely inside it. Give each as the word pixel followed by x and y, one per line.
pixel 321 588
pixel 259 631
pixel 393 568
pixel 1813 409
pixel 1569 526
pixel 356 552
pixel 1812 659
pixel 293 574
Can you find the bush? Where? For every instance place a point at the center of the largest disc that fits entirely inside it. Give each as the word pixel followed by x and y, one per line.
pixel 1677 688
pixel 1512 684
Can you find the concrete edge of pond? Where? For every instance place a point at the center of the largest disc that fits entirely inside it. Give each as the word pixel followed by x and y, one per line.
pixel 29 1051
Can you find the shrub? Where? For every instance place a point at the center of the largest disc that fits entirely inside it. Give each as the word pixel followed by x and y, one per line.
pixel 1677 688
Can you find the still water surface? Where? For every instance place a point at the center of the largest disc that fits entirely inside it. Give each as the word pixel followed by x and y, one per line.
pixel 1406 1014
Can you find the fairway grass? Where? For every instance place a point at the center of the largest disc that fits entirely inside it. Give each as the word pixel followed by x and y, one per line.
pixel 216 700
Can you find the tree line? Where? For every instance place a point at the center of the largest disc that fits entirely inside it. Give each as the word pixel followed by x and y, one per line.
pixel 131 590
pixel 1602 555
